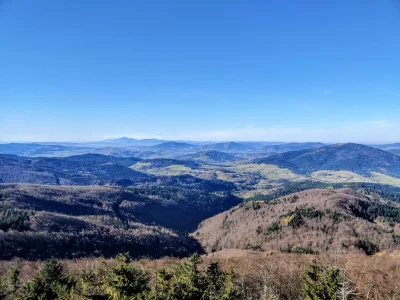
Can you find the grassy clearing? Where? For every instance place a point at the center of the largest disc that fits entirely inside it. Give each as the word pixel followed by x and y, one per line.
pixel 339 176
pixel 174 170
pixel 385 179
pixel 270 172
pixel 347 176
pixel 139 165
pixel 256 175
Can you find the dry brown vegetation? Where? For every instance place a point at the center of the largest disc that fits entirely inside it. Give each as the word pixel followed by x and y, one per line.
pixel 262 274
pixel 318 220
pixel 374 277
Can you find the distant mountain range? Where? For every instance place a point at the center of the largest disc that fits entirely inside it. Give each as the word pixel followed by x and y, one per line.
pixel 356 158
pixel 291 147
pixel 154 148
pixel 173 146
pixel 394 151
pixel 388 146
pixel 120 142
pixel 228 146
pixel 34 149
pixel 129 142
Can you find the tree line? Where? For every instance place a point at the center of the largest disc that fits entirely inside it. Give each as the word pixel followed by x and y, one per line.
pixel 187 280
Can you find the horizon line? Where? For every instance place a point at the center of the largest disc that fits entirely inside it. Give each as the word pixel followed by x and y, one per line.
pixel 185 141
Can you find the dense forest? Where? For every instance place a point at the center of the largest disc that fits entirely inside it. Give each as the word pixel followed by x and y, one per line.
pixel 388 192
pixel 38 221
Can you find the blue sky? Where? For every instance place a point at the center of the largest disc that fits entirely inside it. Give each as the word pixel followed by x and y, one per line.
pixel 200 70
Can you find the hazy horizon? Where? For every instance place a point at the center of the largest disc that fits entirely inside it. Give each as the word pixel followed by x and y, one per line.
pixel 190 141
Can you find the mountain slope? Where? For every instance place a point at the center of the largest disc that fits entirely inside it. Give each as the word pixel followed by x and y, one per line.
pixel 349 157
pixel 85 169
pixel 314 220
pixel 41 221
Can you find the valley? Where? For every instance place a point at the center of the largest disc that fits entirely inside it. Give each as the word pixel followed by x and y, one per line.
pixel 160 202
pixel 199 150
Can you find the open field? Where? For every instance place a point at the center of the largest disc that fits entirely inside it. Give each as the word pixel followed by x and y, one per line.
pixel 347 176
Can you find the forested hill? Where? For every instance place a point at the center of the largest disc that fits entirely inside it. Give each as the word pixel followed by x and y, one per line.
pixel 173 146
pixel 40 221
pixel 211 156
pixel 312 221
pixel 228 146
pixel 89 169
pixel 356 158
pixel 291 147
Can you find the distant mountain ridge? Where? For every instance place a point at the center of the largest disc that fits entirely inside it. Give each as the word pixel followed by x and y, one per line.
pixel 228 146
pixel 394 151
pixel 34 149
pixel 173 146
pixel 291 147
pixel 126 142
pixel 388 146
pixel 356 158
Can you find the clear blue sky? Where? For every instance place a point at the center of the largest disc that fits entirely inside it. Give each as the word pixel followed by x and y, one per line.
pixel 200 70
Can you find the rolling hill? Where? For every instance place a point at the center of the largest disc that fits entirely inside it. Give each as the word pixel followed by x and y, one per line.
pixel 211 156
pixel 34 149
pixel 88 169
pixel 228 146
pixel 173 146
pixel 356 158
pixel 316 220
